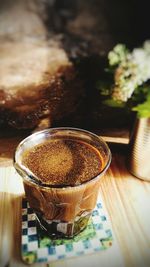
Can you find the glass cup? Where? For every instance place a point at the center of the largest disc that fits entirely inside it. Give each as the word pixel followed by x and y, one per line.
pixel 61 211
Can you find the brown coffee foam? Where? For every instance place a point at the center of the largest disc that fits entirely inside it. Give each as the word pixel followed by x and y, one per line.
pixel 63 162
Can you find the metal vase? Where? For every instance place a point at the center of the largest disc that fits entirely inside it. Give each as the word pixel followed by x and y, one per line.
pixel 139 149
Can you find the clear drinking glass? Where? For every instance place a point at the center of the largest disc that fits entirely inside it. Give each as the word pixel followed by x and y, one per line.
pixel 61 211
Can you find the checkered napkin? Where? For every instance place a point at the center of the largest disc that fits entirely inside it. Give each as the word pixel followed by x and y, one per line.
pixel 38 247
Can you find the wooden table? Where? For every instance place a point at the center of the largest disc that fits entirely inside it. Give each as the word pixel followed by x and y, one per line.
pixel 126 198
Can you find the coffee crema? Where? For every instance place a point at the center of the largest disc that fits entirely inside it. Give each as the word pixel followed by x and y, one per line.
pixel 63 162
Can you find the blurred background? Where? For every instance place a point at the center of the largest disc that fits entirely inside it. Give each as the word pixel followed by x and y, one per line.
pixel 85 30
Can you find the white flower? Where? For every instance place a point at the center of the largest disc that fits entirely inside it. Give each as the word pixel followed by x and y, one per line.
pixel 133 70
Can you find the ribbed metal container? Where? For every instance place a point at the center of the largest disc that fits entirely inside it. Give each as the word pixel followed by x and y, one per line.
pixel 139 149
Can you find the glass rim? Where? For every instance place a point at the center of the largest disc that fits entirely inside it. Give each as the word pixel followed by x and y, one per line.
pixel 29 176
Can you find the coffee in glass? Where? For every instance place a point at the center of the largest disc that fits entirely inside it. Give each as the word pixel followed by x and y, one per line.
pixel 61 170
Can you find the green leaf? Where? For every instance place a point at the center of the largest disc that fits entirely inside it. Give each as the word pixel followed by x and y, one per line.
pixel 113 103
pixel 143 110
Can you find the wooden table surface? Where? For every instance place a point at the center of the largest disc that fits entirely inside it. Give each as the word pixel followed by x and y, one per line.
pixel 126 198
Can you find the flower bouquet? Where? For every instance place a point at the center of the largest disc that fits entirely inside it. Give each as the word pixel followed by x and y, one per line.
pixel 128 79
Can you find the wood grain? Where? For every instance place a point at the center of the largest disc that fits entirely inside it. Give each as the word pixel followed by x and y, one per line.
pixel 128 203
